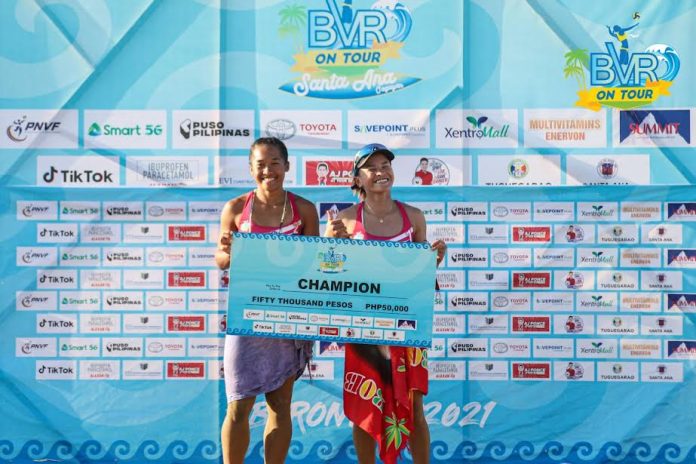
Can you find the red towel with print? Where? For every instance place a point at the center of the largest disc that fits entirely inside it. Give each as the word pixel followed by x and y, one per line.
pixel 377 387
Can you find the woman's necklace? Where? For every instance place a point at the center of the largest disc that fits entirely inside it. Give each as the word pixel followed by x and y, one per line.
pixel 380 219
pixel 282 216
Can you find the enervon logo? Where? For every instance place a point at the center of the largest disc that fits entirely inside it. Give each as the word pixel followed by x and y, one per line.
pixel 347 48
pixel 622 78
pixel 655 126
pixel 23 127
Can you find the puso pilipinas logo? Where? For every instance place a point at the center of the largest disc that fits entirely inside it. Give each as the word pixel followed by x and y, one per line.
pixel 347 48
pixel 620 77
pixel 331 261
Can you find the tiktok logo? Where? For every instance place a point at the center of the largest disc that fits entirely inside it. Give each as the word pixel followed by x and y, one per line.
pixel 73 176
pixel 50 176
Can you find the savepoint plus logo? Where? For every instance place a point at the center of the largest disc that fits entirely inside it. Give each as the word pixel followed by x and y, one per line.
pixel 72 171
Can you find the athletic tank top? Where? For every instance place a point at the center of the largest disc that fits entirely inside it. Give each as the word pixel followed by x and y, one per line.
pixel 246 225
pixel 404 235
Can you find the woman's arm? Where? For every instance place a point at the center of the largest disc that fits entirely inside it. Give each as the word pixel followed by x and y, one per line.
pixel 227 226
pixel 420 232
pixel 310 218
pixel 336 227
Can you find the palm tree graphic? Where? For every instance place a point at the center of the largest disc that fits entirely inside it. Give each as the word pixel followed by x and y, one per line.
pixel 576 62
pixel 293 19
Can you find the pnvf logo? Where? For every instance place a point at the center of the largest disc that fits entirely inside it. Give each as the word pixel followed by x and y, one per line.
pixel 348 47
pixel 23 127
pixel 620 77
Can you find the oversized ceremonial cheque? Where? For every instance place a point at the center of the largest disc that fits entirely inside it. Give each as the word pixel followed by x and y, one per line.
pixel 316 288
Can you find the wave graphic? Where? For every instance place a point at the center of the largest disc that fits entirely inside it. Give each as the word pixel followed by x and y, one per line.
pixel 208 452
pixel 667 58
pixel 399 20
pixel 557 453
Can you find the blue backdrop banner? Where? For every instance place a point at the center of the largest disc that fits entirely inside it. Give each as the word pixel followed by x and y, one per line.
pixel 548 142
pixel 110 356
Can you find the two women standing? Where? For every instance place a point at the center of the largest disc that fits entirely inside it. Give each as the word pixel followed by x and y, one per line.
pixel 256 365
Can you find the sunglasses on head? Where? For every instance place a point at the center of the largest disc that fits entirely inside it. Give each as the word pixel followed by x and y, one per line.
pixel 364 152
pixel 369 149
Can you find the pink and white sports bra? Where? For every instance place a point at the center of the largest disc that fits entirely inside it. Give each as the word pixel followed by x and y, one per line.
pixel 246 224
pixel 404 235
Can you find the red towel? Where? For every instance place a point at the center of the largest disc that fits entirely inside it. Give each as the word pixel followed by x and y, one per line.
pixel 377 393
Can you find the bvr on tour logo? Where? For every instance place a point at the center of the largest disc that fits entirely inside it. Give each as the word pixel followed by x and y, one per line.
pixel 347 48
pixel 622 77
pixel 331 261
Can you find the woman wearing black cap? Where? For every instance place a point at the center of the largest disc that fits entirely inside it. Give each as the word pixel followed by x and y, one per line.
pixel 399 373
